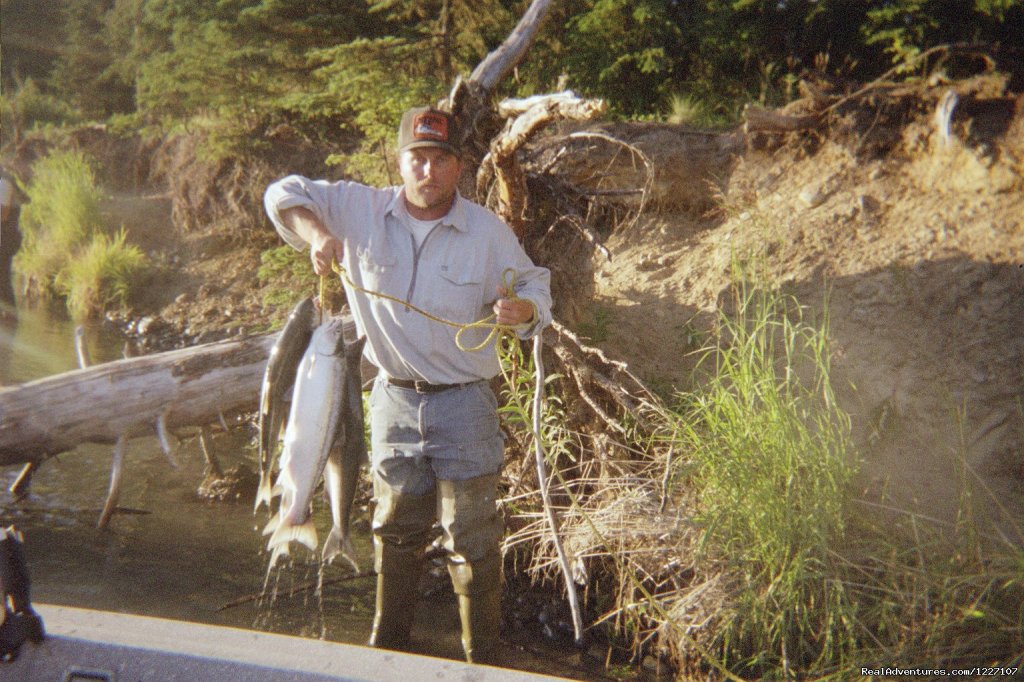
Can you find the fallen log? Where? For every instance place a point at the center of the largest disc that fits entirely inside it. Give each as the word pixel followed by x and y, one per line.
pixel 99 404
pixel 759 119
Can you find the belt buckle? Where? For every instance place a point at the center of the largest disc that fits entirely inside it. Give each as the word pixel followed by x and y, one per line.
pixel 421 387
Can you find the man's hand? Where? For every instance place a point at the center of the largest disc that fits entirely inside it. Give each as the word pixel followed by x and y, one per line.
pixel 324 251
pixel 324 248
pixel 512 311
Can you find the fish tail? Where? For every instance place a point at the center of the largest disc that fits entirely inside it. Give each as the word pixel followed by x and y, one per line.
pixel 275 554
pixel 339 543
pixel 284 534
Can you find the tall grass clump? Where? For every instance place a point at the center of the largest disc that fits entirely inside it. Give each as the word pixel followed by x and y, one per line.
pixel 67 250
pixel 772 470
pixel 101 276
pixel 819 583
pixel 63 211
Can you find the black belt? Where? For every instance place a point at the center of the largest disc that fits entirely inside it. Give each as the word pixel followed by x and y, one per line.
pixel 424 386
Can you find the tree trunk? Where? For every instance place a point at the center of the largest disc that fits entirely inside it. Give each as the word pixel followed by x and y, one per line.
pixel 187 387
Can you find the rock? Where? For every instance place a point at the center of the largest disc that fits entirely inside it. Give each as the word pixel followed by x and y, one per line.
pixel 812 197
pixel 237 484
pixel 146 325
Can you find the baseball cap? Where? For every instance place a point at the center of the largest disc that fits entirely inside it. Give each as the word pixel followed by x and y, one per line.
pixel 427 127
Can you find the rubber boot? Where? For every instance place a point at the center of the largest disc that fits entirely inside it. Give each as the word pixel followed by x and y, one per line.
pixel 401 526
pixel 478 586
pixel 472 533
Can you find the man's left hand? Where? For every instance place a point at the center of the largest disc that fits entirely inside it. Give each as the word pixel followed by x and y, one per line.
pixel 512 311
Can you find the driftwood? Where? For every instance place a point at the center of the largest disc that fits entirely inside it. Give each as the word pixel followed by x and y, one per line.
pixel 758 119
pixel 470 100
pixel 501 163
pixel 133 397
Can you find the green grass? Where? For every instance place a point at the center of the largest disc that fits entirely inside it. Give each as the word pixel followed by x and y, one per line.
pixel 773 469
pixel 68 251
pixel 101 276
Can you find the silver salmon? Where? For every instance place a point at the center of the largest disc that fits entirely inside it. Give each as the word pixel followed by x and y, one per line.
pixel 278 380
pixel 341 474
pixel 317 424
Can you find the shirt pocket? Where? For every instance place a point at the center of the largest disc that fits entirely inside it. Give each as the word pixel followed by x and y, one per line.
pixel 460 296
pixel 378 269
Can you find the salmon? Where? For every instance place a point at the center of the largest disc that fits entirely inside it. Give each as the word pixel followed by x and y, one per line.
pixel 320 419
pixel 278 380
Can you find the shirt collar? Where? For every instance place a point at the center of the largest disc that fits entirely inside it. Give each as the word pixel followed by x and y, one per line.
pixel 456 216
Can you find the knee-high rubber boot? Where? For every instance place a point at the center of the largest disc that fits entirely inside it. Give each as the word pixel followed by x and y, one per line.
pixel 472 532
pixel 401 525
pixel 478 586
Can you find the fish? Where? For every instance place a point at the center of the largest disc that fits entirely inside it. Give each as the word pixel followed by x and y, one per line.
pixel 341 475
pixel 317 424
pixel 278 380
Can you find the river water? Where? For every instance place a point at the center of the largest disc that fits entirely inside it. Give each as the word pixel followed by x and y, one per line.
pixel 175 555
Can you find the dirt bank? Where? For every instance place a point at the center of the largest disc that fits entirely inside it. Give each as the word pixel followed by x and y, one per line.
pixel 913 243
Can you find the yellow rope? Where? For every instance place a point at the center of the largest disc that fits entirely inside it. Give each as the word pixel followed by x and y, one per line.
pixel 508 281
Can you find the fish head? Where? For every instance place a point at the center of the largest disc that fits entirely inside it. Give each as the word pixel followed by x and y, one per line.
pixel 329 337
pixel 304 312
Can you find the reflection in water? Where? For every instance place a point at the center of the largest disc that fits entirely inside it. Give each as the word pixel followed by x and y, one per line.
pixel 178 556
pixel 35 345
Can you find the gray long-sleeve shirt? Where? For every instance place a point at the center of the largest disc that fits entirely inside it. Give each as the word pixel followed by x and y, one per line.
pixel 453 274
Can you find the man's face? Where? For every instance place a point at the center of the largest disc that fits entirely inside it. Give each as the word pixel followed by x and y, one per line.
pixel 430 175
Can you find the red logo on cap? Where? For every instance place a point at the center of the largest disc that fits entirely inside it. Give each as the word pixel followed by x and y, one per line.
pixel 430 126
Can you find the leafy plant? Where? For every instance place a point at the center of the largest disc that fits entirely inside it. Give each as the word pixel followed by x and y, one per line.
pixel 285 276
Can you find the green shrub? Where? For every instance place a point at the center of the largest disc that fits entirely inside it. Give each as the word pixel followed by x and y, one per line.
pixel 63 211
pixel 67 250
pixel 101 276
pixel 286 276
pixel 28 108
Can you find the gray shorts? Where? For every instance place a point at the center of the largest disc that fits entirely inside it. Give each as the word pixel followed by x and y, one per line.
pixel 417 438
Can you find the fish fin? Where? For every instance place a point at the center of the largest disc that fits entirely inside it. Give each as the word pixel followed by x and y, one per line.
pixel 272 524
pixel 263 492
pixel 304 533
pixel 275 554
pixel 336 544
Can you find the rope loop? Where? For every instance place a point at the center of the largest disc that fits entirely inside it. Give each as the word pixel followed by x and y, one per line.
pixel 508 281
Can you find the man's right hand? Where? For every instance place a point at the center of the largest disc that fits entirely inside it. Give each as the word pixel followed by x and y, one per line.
pixel 324 251
pixel 324 248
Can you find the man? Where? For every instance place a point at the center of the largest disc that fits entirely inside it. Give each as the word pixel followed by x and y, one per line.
pixel 10 240
pixel 437 448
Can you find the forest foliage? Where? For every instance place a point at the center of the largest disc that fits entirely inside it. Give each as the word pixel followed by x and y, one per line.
pixel 346 68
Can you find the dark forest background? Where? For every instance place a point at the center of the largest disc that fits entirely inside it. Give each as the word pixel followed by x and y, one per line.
pixel 238 68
